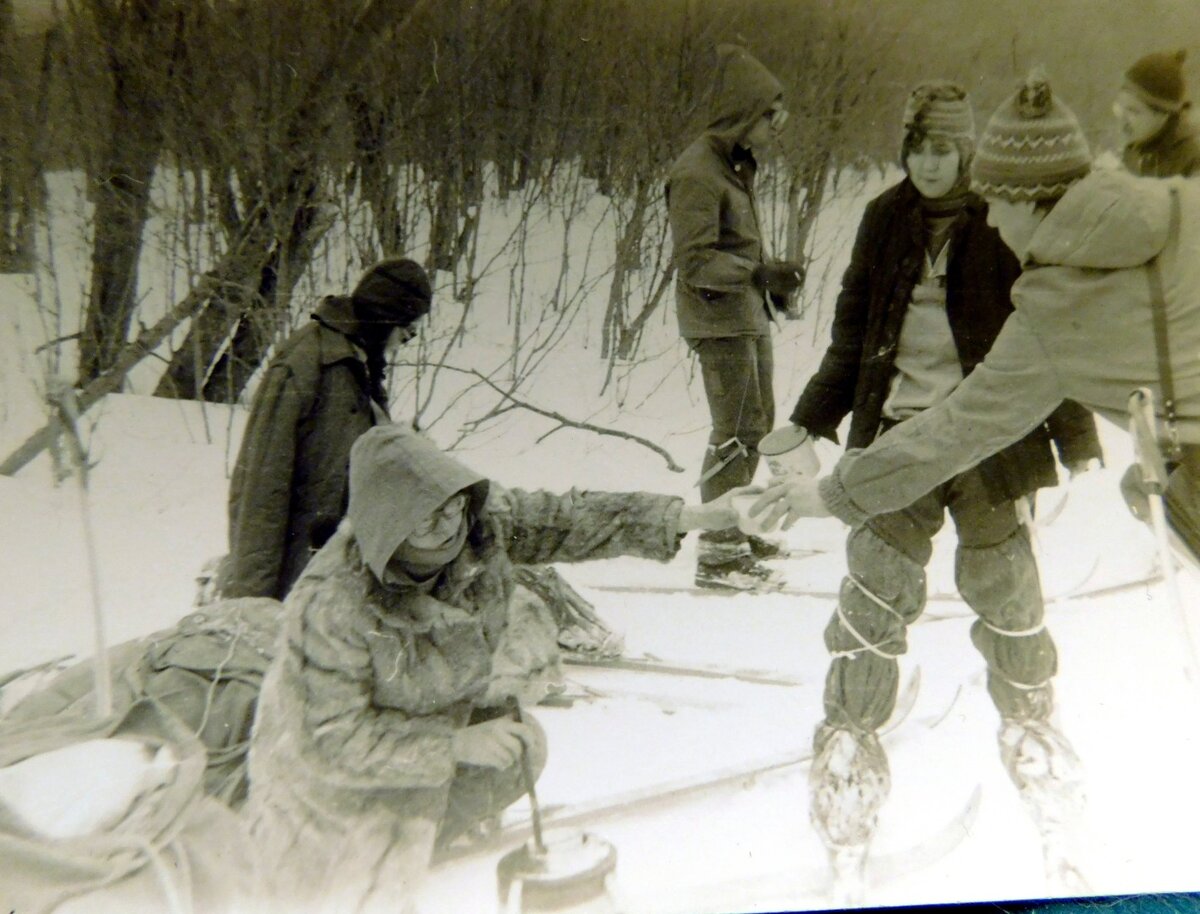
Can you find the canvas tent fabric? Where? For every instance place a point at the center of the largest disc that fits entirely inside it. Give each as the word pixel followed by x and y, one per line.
pixel 174 850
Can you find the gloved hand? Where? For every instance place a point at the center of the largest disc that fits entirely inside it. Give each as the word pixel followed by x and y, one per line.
pixel 781 278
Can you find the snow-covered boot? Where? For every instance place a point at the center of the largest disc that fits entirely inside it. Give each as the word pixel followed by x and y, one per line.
pixel 765 549
pixel 848 783
pixel 1049 777
pixel 725 562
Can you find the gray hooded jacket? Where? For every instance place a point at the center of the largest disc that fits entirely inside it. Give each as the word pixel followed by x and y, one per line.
pixel 710 200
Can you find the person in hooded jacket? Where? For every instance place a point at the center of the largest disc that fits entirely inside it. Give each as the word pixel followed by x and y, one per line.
pixel 383 728
pixel 321 391
pixel 924 296
pixel 1092 244
pixel 1152 113
pixel 725 293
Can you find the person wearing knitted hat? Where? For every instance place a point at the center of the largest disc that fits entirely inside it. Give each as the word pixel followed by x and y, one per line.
pixel 386 725
pixel 1102 252
pixel 726 293
pixel 924 296
pixel 323 388
pixel 1152 114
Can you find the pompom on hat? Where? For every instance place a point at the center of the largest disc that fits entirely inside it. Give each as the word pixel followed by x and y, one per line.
pixel 1157 79
pixel 1032 148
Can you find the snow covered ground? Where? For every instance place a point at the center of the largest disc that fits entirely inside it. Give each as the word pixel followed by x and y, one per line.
pixel 156 503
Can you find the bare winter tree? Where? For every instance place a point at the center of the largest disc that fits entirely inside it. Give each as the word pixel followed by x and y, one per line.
pixel 283 204
pixel 408 125
pixel 140 39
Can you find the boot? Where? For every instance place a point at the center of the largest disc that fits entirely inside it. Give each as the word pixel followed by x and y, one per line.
pixel 1048 776
pixel 763 549
pixel 848 783
pixel 737 574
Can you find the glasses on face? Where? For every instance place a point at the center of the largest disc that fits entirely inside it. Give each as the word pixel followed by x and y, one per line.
pixel 451 509
pixel 778 117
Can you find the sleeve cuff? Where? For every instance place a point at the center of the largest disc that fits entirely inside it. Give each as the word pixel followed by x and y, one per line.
pixel 674 540
pixel 838 500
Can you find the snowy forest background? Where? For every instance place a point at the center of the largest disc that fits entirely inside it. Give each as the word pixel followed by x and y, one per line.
pixel 224 162
pixel 180 180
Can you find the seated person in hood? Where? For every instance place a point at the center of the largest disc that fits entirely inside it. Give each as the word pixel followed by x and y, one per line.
pixel 384 727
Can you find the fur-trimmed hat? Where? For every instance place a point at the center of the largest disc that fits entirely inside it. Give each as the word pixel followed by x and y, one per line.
pixel 1157 79
pixel 1032 148
pixel 393 292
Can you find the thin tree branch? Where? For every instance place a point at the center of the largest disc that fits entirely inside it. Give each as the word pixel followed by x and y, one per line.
pixel 564 422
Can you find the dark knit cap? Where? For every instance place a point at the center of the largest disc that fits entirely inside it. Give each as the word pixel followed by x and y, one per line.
pixel 1032 148
pixel 393 292
pixel 1157 79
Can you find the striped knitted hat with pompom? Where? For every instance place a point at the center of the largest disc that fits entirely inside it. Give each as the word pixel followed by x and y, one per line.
pixel 1032 148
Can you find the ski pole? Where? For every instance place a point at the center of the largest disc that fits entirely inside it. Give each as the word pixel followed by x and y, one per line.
pixel 62 395
pixel 539 846
pixel 1154 476
pixel 1025 516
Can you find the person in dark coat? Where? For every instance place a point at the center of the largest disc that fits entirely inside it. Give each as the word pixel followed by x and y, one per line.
pixel 724 296
pixel 322 390
pixel 1152 112
pixel 384 728
pixel 923 299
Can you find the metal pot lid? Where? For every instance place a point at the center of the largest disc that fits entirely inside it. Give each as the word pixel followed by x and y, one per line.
pixel 571 856
pixel 782 440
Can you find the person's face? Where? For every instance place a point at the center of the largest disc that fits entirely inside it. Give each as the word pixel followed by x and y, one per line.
pixel 933 165
pixel 441 526
pixel 766 127
pixel 396 340
pixel 1136 120
pixel 1015 222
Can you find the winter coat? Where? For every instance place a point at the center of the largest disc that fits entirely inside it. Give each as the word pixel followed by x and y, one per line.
pixel 289 487
pixel 352 741
pixel 714 222
pixel 1082 329
pixel 1174 150
pixel 856 372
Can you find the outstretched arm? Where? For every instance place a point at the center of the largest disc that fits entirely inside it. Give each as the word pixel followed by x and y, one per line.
pixel 1009 394
pixel 541 527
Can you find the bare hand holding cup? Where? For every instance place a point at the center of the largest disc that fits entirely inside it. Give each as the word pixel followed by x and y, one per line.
pixel 786 500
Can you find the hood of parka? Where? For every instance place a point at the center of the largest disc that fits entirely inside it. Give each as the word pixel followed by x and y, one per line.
pixel 1108 220
pixel 397 478
pixel 744 91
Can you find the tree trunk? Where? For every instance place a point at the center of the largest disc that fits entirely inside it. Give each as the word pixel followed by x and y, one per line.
pixel 377 180
pixel 260 326
pixel 139 41
pixel 243 316
pixel 228 340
